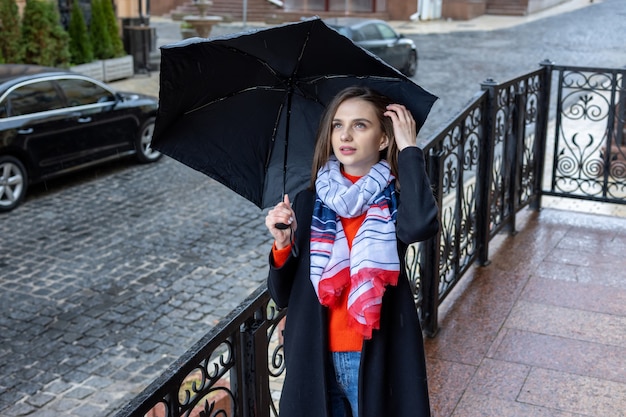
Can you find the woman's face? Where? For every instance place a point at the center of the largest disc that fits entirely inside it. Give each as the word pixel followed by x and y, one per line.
pixel 357 136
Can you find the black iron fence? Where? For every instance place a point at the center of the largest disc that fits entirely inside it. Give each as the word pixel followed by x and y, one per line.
pixel 494 159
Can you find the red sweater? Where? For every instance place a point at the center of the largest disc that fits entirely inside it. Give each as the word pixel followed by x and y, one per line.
pixel 342 338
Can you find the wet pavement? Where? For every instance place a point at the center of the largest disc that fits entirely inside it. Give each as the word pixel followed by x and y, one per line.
pixel 541 331
pixel 110 275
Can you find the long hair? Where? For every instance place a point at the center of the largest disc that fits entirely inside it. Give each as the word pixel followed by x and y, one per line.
pixel 323 145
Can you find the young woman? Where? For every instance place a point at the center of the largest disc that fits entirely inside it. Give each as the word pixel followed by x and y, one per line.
pixel 353 341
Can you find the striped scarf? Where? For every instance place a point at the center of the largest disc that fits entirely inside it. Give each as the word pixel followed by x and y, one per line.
pixel 373 261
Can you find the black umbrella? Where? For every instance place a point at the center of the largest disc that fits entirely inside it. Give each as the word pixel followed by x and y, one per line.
pixel 244 109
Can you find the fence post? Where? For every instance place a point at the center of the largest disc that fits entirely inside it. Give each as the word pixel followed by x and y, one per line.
pixel 255 388
pixel 514 149
pixel 541 140
pixel 484 172
pixel 431 258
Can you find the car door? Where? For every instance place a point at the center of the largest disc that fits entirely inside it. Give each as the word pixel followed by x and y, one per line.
pixel 106 129
pixel 42 126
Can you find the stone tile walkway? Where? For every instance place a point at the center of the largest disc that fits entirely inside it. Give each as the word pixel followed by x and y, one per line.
pixel 541 331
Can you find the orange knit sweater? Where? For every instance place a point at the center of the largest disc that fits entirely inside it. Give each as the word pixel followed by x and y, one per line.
pixel 341 337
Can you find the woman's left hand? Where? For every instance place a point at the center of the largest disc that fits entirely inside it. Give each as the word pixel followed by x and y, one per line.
pixel 404 128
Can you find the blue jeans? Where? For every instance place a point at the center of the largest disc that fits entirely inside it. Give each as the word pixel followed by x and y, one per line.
pixel 344 384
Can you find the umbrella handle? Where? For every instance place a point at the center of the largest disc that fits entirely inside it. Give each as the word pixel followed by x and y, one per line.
pixel 292 238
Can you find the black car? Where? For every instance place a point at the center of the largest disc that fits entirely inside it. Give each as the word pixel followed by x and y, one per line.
pixel 54 121
pixel 380 39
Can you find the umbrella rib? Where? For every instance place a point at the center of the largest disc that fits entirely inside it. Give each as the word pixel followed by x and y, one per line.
pixel 228 96
pixel 290 91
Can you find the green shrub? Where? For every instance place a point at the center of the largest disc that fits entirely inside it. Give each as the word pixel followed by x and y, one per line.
pixel 113 28
pixel 81 50
pixel 45 41
pixel 98 30
pixel 11 50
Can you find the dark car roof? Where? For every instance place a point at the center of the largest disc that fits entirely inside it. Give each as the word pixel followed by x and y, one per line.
pixel 12 73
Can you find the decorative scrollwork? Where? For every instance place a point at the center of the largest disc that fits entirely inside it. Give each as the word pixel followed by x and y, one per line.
pixel 618 169
pixel 219 402
pixel 414 272
pixel 275 351
pixel 579 163
pixel 527 180
pixel 276 354
pixel 496 207
pixel 585 80
pixel 206 378
pixel 585 108
pixel 447 249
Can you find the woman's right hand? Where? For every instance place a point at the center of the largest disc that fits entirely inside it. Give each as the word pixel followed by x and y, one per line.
pixel 281 213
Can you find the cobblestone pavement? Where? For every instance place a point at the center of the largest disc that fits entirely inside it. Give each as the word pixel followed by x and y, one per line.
pixel 108 276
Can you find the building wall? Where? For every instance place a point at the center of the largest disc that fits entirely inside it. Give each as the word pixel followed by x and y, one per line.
pixel 538 5
pixel 396 9
pixel 463 9
pixel 401 9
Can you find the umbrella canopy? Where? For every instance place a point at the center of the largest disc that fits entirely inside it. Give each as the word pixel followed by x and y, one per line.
pixel 244 109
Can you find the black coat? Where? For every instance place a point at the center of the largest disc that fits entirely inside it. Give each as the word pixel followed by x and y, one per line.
pixel 392 379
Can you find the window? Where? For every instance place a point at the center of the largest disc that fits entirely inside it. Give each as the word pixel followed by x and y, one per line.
pixel 358 36
pixel 33 98
pixel 80 92
pixel 386 32
pixel 370 32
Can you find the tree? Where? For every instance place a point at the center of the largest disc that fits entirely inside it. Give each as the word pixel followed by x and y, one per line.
pixel 81 50
pixel 113 28
pixel 100 39
pixel 11 50
pixel 45 41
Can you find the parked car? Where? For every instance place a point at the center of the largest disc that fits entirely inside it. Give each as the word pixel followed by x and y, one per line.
pixel 380 39
pixel 54 121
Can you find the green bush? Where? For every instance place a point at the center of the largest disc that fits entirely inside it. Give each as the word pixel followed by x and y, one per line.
pixel 81 50
pixel 113 28
pixel 98 30
pixel 11 50
pixel 45 41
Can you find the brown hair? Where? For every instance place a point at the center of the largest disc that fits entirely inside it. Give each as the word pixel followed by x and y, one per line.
pixel 323 145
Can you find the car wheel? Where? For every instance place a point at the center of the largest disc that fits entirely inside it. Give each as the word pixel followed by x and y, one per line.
pixel 411 65
pixel 145 153
pixel 13 183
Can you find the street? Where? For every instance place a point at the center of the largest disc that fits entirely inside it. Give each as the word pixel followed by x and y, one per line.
pixel 110 275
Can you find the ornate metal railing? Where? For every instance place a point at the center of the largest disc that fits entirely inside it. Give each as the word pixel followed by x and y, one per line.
pixel 485 166
pixel 589 153
pixel 229 372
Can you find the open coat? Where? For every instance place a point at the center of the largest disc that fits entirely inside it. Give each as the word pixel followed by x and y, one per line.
pixel 392 380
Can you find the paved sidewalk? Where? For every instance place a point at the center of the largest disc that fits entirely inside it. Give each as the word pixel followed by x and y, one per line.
pixel 486 22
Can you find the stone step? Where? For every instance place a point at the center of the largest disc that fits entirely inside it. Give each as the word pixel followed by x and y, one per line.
pixel 256 10
pixel 260 11
pixel 506 7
